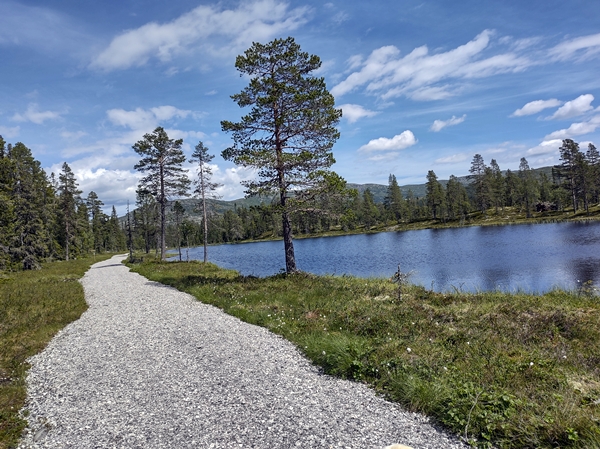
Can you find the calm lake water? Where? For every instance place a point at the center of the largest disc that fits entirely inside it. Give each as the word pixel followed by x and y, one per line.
pixel 531 258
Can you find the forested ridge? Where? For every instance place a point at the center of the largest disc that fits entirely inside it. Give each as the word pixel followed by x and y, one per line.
pixel 46 217
pixel 573 185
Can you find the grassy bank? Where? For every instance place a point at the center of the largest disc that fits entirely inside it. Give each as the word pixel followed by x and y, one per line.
pixel 512 370
pixel 34 306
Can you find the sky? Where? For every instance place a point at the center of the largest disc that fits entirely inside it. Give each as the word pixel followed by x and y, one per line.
pixel 423 85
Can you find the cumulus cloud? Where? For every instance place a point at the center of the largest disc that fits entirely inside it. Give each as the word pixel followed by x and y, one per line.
pixel 398 142
pixel 533 107
pixel 576 129
pixel 438 125
pixel 581 47
pixel 354 112
pixel 34 115
pixel 418 74
pixel 573 108
pixel 546 147
pixel 145 119
pixel 233 28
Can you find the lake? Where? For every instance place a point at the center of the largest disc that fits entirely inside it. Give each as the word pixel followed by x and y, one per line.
pixel 530 258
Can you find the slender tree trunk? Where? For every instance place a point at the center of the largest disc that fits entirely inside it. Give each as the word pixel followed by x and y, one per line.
pixel 288 243
pixel 163 215
pixel 205 216
pixel 67 240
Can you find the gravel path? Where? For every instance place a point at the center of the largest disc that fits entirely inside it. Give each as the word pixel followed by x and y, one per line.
pixel 150 367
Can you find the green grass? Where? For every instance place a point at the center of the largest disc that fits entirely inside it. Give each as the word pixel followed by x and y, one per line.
pixel 34 306
pixel 509 370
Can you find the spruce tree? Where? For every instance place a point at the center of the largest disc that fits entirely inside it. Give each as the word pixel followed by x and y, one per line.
pixel 28 245
pixel 162 160
pixel 68 198
pixel 435 197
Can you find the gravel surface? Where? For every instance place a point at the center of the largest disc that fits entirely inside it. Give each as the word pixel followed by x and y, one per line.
pixel 147 366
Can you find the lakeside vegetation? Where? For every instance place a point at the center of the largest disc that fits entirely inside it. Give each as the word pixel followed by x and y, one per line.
pixel 34 306
pixel 498 369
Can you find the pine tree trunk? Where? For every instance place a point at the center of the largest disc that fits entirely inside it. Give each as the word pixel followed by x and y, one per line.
pixel 290 258
pixel 205 224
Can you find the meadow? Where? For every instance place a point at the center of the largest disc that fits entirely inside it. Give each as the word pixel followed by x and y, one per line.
pixel 497 369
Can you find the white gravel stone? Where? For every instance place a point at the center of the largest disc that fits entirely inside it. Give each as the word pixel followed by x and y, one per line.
pixel 147 366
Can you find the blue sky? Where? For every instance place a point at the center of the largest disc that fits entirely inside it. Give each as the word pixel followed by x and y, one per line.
pixel 423 85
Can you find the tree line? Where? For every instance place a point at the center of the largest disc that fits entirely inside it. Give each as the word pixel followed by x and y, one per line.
pixel 573 184
pixel 45 217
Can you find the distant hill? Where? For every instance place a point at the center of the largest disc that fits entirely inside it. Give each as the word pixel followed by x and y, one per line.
pixel 379 192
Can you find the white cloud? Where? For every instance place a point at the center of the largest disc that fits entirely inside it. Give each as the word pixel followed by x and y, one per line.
pixel 583 47
pixel 573 108
pixel 438 125
pixel 460 157
pixel 398 142
pixel 354 112
pixel 68 135
pixel 546 147
pixel 533 107
pixel 9 133
pixel 34 115
pixel 145 119
pixel 258 21
pixel 576 129
pixel 417 74
pixel 231 178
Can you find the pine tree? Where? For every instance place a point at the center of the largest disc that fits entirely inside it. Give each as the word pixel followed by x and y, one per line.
pixel 593 159
pixel 529 188
pixel 162 159
pixel 394 202
pixel 146 218
pixel 496 185
pixel 567 170
pixel 178 213
pixel 289 134
pixel 205 188
pixel 457 199
pixel 480 182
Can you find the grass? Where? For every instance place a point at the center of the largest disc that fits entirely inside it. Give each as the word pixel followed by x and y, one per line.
pixel 34 306
pixel 502 370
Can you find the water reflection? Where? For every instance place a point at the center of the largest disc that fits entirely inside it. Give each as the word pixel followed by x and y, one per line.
pixel 534 258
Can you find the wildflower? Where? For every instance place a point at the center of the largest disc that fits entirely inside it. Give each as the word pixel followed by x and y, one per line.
pixel 445 369
pixel 408 350
pixel 324 353
pixel 530 363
